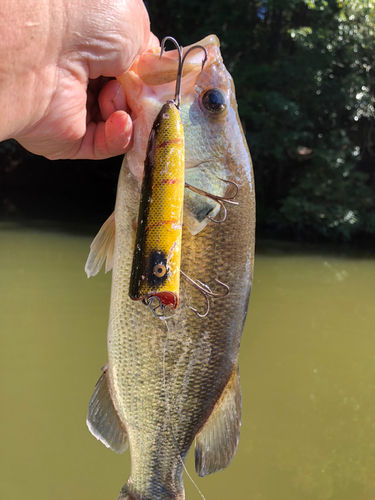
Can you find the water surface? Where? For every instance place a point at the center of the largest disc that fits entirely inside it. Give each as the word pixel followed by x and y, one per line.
pixel 307 368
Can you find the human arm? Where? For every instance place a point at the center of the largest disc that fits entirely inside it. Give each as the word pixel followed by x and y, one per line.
pixel 49 52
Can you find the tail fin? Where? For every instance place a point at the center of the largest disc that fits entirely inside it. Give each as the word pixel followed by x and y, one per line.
pixel 127 494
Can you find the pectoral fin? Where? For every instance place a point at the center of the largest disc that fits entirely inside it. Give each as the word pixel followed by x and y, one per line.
pixel 102 419
pixel 205 176
pixel 102 248
pixel 196 210
pixel 216 443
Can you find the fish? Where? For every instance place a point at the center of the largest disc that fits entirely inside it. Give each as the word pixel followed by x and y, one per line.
pixel 174 381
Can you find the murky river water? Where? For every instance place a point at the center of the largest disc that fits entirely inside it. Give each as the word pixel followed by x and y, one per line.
pixel 307 371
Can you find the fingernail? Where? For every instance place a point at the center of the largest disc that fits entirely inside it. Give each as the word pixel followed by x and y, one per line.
pixel 128 126
pixel 118 100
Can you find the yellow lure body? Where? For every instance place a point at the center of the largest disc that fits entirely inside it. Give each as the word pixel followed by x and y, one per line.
pixel 157 255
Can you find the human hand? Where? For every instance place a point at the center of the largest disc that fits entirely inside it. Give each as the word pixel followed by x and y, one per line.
pixel 52 93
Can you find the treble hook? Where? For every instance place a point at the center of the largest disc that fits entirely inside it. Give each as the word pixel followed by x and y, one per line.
pixel 205 291
pixel 219 199
pixel 149 301
pixel 181 60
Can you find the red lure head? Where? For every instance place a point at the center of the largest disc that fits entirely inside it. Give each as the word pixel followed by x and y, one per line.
pixel 169 299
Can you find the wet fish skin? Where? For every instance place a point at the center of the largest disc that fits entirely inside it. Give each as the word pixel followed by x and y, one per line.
pixel 175 381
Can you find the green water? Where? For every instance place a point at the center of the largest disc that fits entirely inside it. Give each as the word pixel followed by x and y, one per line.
pixel 307 371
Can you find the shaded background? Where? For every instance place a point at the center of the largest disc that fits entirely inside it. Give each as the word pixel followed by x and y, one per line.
pixel 305 85
pixel 304 77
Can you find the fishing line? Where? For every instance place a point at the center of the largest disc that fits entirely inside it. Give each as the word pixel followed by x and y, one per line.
pixel 169 413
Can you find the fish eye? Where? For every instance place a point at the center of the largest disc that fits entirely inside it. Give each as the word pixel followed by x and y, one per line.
pixel 214 101
pixel 159 270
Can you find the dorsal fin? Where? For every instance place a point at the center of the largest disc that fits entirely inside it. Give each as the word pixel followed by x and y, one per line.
pixel 102 248
pixel 216 443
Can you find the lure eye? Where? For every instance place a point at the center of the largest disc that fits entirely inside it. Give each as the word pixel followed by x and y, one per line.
pixel 214 101
pixel 159 270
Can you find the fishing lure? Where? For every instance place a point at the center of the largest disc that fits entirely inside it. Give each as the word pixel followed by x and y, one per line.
pixel 157 255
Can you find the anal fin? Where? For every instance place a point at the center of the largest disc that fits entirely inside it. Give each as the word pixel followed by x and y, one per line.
pixel 102 248
pixel 216 443
pixel 102 419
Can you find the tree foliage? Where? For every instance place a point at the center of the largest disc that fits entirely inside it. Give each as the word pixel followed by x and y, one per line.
pixel 304 74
